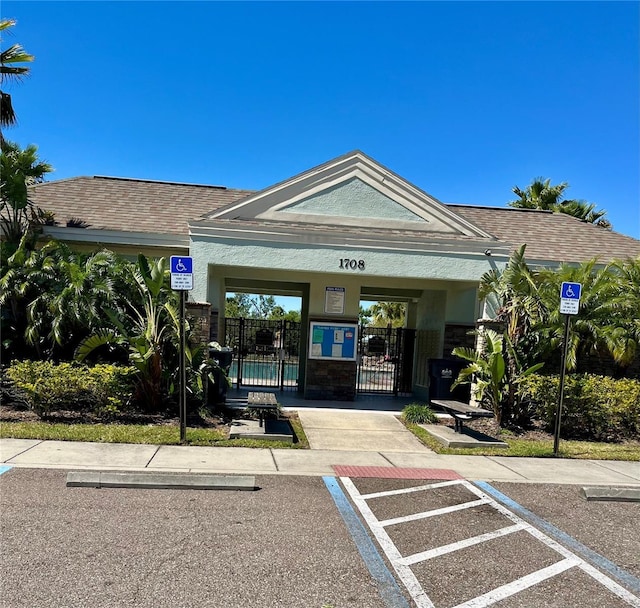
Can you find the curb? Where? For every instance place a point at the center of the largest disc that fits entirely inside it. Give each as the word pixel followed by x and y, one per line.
pixel 160 481
pixel 615 494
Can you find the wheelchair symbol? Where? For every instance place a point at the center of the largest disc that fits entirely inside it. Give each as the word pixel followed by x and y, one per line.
pixel 569 292
pixel 180 267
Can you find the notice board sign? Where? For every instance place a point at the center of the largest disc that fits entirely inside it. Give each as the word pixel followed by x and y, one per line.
pixel 334 341
pixel 334 300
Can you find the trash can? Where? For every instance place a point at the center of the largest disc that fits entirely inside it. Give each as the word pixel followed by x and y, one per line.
pixel 442 374
pixel 217 390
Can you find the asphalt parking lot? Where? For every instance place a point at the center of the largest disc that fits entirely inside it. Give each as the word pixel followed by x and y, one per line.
pixel 284 545
pixel 289 544
pixel 452 545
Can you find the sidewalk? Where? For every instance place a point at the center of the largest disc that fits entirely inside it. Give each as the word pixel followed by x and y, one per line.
pixel 31 453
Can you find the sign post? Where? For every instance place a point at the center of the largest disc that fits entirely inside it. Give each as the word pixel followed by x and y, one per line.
pixel 182 281
pixel 569 305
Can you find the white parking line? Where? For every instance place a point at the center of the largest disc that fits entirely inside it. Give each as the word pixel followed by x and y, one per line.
pixel 462 544
pixel 405 573
pixel 520 584
pixel 440 484
pixel 434 513
pixel 402 564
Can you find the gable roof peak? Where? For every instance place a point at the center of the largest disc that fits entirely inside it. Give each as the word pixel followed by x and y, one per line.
pixel 349 190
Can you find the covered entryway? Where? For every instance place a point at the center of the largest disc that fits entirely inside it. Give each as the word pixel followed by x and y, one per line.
pixel 265 353
pixel 347 231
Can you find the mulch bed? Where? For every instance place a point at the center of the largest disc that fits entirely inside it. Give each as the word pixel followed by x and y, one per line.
pixel 11 414
pixel 218 420
pixel 488 426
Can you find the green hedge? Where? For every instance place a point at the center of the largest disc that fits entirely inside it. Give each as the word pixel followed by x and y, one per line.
pixel 594 407
pixel 47 386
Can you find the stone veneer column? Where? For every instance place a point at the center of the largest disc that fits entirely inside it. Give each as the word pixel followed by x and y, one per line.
pixel 330 380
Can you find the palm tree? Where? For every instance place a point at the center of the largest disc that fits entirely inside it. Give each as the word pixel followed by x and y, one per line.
pixel 540 194
pixel 19 170
pixel 594 328
pixel 623 305
pixel 584 211
pixel 516 294
pixel 388 314
pixel 74 307
pixel 11 69
pixel 24 275
pixel 53 297
pixel 147 327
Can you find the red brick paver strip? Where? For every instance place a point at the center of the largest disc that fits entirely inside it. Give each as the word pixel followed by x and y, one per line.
pixel 395 472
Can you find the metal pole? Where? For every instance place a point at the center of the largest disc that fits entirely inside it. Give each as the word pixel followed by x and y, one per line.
pixel 556 438
pixel 183 373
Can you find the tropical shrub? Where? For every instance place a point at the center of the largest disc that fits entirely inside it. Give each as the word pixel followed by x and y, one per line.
pixel 53 297
pixel 594 407
pixel 70 386
pixel 494 381
pixel 418 413
pixel 146 328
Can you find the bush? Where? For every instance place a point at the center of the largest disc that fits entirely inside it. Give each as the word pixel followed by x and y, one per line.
pixel 418 413
pixel 594 407
pixel 103 389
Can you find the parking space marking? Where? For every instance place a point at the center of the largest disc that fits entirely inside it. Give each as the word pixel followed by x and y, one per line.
pixel 401 564
pixel 461 544
pixel 520 584
pixel 440 484
pixel 4 468
pixel 608 566
pixel 387 585
pixel 433 513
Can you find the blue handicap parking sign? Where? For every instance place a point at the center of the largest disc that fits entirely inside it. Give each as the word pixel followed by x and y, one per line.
pixel 181 265
pixel 570 291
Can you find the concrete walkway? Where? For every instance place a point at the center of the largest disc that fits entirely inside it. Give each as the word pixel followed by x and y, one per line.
pixel 358 430
pixel 125 457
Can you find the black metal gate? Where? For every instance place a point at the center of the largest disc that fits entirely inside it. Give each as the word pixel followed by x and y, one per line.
pixel 385 361
pixel 265 353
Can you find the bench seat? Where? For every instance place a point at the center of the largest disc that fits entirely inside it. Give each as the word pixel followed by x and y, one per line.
pixel 262 402
pixel 461 412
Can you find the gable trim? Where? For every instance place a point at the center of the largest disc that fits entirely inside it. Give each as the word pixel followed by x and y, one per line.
pixel 268 204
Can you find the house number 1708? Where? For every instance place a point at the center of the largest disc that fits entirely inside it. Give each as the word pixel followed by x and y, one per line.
pixel 350 264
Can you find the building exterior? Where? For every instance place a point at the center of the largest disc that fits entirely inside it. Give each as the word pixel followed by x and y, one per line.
pixel 342 232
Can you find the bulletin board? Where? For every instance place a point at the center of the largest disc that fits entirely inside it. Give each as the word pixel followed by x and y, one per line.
pixel 334 341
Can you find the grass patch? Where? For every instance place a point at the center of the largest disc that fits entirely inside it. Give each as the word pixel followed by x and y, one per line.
pixel 540 448
pixel 166 434
pixel 300 437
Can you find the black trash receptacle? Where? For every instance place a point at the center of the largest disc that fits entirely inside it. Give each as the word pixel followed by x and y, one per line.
pixel 442 374
pixel 217 390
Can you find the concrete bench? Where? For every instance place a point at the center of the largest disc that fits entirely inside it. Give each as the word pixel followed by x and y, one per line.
pixel 461 412
pixel 262 402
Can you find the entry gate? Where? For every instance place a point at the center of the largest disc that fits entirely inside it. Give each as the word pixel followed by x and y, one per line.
pixel 265 353
pixel 385 361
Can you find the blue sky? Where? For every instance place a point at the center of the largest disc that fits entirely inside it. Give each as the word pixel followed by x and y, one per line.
pixel 464 100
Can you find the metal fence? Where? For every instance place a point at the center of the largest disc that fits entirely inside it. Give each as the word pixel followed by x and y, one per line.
pixel 265 353
pixel 385 361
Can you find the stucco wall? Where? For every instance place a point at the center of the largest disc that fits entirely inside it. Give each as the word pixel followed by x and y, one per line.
pixel 382 264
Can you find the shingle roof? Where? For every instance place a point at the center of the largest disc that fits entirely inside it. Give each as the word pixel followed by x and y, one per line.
pixel 551 236
pixel 131 205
